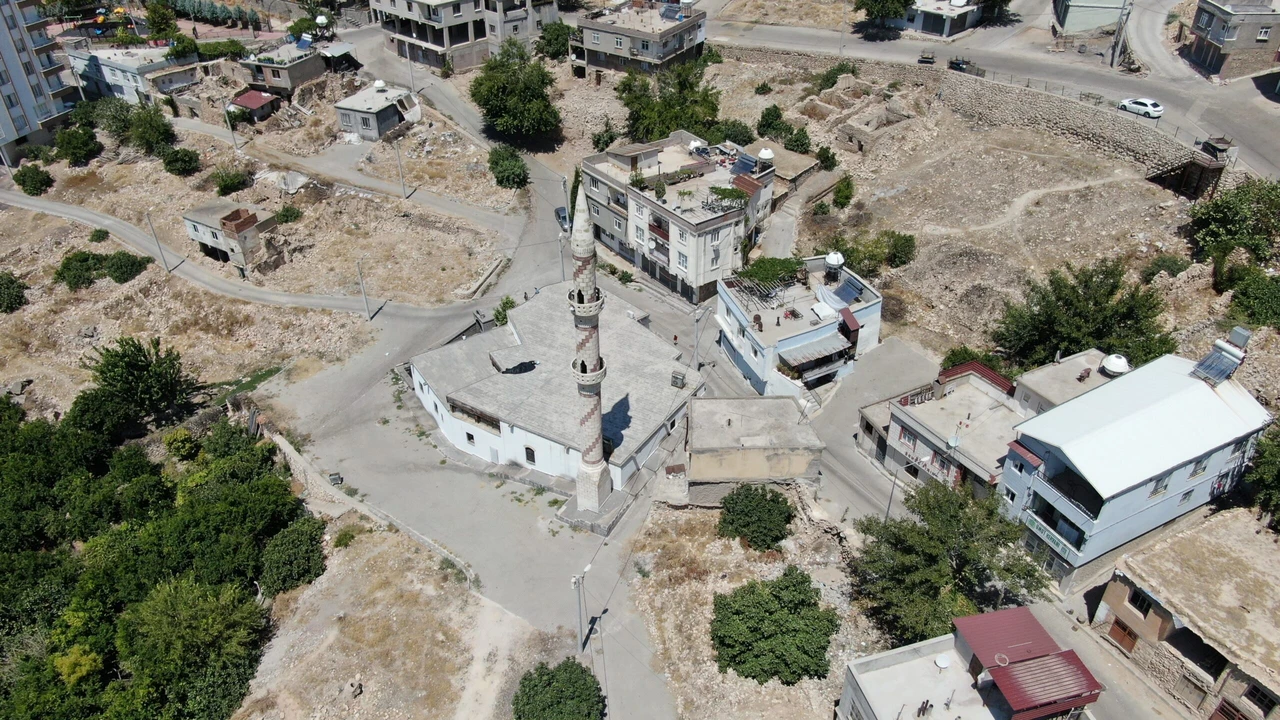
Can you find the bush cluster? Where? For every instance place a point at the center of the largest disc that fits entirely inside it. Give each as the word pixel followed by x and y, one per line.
pixel 288 214
pixel 227 180
pixel 508 168
pixel 80 269
pixel 757 514
pixel 567 691
pixel 33 179
pixel 13 293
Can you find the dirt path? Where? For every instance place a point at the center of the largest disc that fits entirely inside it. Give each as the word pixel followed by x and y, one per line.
pixel 495 636
pixel 1020 203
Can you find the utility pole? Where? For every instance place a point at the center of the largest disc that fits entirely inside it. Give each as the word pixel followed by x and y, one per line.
pixel 403 192
pixel 576 582
pixel 1122 23
pixel 697 332
pixel 360 275
pixel 230 127
pixel 159 247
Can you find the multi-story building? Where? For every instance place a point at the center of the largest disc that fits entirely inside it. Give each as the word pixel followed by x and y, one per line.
pixel 464 33
pixel 682 212
pixel 1235 39
pixel 35 98
pixel 637 35
pixel 122 74
pixel 1198 613
pixel 1131 455
pixel 229 232
pixel 280 71
pixel 799 333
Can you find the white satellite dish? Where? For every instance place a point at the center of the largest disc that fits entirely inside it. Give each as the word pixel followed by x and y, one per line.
pixel 942 661
pixel 653 244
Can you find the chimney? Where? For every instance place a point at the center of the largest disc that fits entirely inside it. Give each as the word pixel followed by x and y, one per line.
pixel 1223 358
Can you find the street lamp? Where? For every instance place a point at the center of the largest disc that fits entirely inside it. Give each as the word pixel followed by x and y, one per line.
pixel 578 581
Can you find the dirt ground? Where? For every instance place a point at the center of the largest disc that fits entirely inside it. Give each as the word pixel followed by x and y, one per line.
pixel 687 565
pixel 410 255
pixel 390 632
pixel 827 14
pixel 220 339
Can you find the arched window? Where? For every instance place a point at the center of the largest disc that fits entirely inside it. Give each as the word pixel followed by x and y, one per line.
pixel 529 455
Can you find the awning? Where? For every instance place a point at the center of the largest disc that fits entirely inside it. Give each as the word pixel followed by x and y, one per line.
pixel 253 100
pixel 814 350
pixel 336 49
pixel 850 321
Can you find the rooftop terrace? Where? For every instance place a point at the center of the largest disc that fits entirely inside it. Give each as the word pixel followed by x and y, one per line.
pixel 794 307
pixel 655 18
pixel 286 54
pixel 896 682
pixel 1061 381
pixel 983 424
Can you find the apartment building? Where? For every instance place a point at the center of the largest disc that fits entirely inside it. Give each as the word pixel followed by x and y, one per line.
pixel 1235 39
pixel 124 74
pixel 464 33
pixel 683 213
pixel 637 35
pixel 1199 614
pixel 1131 455
pixel 35 98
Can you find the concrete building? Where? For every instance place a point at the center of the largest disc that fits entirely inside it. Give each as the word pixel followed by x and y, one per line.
pixel 997 666
pixel 637 35
pixel 258 104
pixel 940 17
pixel 763 440
pixel 35 99
pixel 229 232
pixel 376 110
pixel 958 428
pixel 800 333
pixel 1199 614
pixel 463 33
pixel 714 199
pixel 169 80
pixel 1233 40
pixel 124 74
pixel 790 169
pixel 1079 17
pixel 280 71
pixel 511 395
pixel 1092 474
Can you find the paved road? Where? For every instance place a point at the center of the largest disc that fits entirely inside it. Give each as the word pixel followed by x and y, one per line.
pixel 1146 41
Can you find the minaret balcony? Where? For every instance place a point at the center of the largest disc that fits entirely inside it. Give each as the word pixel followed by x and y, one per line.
pixel 587 377
pixel 583 307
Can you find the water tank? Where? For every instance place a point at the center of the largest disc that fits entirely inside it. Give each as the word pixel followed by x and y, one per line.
pixel 321 21
pixel 694 145
pixel 766 155
pixel 379 85
pixel 1115 365
pixel 834 262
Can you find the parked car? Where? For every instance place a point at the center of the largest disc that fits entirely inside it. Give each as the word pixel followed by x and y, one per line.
pixel 927 58
pixel 1146 107
pixel 562 217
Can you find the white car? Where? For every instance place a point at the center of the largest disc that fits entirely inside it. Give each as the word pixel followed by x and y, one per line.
pixel 1146 107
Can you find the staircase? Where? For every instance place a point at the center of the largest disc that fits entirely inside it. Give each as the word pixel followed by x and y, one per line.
pixel 356 17
pixel 1194 175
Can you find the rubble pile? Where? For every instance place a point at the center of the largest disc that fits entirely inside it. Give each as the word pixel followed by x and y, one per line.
pixel 583 107
pixel 309 125
pixel 220 83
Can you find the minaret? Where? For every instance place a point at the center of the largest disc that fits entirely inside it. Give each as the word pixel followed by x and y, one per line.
pixel 586 302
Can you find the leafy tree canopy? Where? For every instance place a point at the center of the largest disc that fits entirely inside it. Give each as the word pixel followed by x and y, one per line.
pixel 758 515
pixel 676 99
pixel 554 40
pixel 294 556
pixel 566 692
pixel 508 168
pixel 1246 216
pixel 881 10
pixel 148 377
pixel 77 145
pixel 511 90
pixel 1263 476
pixel 13 292
pixel 771 124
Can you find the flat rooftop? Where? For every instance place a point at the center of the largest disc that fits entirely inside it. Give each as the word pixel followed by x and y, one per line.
pixel 1220 578
pixel 750 422
pixel 213 213
pixel 286 54
pixel 896 682
pixel 648 20
pixel 774 306
pixel 983 424
pixel 942 7
pixel 787 164
pixel 520 373
pixel 134 58
pixel 1060 382
pixel 372 99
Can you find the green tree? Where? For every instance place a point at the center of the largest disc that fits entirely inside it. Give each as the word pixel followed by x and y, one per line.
pixel 511 91
pixel 150 130
pixel 1257 297
pixel 566 692
pixel 554 40
pixel 758 515
pixel 603 139
pixel 773 629
pixel 842 194
pixel 181 445
pixel 13 293
pixel 123 266
pixel 951 556
pixel 1263 476
pixel 798 142
pixel 1246 216
pixel 301 26
pixel 33 179
pixel 1164 262
pixel 295 556
pixel 902 247
pixel 881 10
pixel 508 168
pixel 505 305
pixel 678 98
pixel 1080 308
pixel 114 116
pixel 182 47
pixel 79 269
pixel 771 124
pixel 77 145
pixel 161 21
pixel 827 159
pixel 148 378
pixel 181 161
pixel 734 131
pixel 962 354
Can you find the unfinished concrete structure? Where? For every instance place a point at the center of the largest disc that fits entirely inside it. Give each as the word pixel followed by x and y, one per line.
pixel 463 33
pixel 1199 614
pixel 376 110
pixel 229 232
pixel 760 440
pixel 637 35
pixel 280 71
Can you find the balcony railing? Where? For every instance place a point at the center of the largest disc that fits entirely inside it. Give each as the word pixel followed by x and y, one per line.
pixel 660 231
pixel 38 41
pixel 1043 482
pixel 661 252
pixel 618 201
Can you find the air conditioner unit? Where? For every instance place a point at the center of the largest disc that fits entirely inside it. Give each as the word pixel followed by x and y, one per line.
pixel 677 379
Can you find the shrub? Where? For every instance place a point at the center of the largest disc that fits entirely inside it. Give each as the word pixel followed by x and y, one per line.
pixel 902 248
pixel 122 266
pixel 828 79
pixel 508 168
pixel 734 131
pixel 288 214
pixel 1164 262
pixel 238 117
pixel 13 293
pixel 1257 297
pixel 99 235
pixel 295 556
pixel 773 629
pixel 302 25
pixel 181 445
pixel 181 162
pixel 659 189
pixel 962 354
pixel 42 153
pixel 113 116
pixel 345 536
pixel 710 55
pixel 625 277
pixel 767 270
pixel 842 194
pixel 566 692
pixel 603 139
pixel 771 124
pixel 827 159
pixel 183 46
pixel 80 269
pixel 821 208
pixel 150 130
pixel 764 88
pixel 228 180
pixel 758 515
pixel 233 49
pixel 33 179
pixel 446 69
pixel 798 142
pixel 505 305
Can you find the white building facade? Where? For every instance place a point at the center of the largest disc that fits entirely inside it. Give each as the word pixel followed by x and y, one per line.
pixel 124 73
pixel 463 33
pixel 36 100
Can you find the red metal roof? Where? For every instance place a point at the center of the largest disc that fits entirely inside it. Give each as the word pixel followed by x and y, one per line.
pixel 749 185
pixel 982 371
pixel 1013 634
pixel 850 321
pixel 1025 454
pixel 253 100
pixel 1046 685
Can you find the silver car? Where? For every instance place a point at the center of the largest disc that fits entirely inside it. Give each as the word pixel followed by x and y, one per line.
pixel 562 217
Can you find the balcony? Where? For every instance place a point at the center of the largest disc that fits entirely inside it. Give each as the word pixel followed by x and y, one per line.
pixel 1068 490
pixel 57 117
pixel 660 231
pixel 618 201
pixel 39 41
pixel 919 460
pixel 661 252
pixel 34 23
pixel 62 91
pixel 52 67
pixel 1053 539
